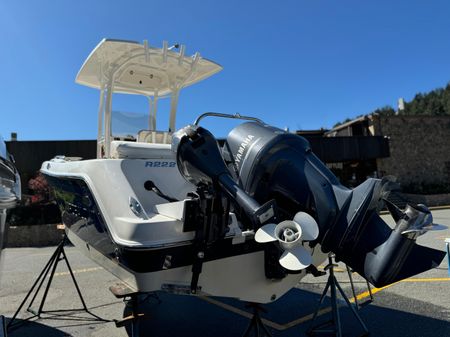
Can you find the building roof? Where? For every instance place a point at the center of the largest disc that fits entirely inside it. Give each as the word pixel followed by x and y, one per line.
pixel 349 123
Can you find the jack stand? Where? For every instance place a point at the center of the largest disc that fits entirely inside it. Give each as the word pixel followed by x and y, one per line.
pixel 335 322
pixel 131 298
pixel 256 323
pixel 369 289
pixel 49 270
pixel 133 319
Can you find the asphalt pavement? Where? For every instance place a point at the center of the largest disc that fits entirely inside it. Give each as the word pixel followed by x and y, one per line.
pixel 418 307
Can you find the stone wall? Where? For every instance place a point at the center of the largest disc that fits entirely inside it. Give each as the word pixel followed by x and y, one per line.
pixel 34 236
pixel 432 200
pixel 419 149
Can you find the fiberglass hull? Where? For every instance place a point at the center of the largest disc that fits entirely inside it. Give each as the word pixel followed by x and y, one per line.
pixel 155 260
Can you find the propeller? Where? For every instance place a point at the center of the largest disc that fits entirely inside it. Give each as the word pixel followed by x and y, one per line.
pixel 290 234
pixel 413 221
pixel 417 221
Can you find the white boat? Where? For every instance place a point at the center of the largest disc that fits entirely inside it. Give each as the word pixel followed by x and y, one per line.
pixel 246 219
pixel 10 192
pixel 10 195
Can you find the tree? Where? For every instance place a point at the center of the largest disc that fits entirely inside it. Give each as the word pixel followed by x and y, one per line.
pixel 385 111
pixel 433 103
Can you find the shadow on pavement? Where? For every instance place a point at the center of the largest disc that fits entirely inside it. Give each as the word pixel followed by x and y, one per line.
pixel 178 316
pixel 51 323
pixel 34 329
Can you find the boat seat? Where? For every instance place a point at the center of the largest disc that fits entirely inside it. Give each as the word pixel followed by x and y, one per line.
pixel 135 150
pixel 149 136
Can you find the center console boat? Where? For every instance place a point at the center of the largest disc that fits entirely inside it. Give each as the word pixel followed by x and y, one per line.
pixel 248 218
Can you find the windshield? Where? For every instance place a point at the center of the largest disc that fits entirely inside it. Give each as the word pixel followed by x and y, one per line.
pixel 126 125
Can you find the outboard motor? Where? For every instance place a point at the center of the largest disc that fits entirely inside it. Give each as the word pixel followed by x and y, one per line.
pixel 271 164
pixel 200 162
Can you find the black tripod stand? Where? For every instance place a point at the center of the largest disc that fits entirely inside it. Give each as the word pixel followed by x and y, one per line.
pixel 335 322
pixel 49 270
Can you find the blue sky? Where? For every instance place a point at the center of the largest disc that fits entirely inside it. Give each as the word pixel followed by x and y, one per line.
pixel 297 64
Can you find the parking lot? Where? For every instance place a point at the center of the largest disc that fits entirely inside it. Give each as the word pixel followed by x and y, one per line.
pixel 419 306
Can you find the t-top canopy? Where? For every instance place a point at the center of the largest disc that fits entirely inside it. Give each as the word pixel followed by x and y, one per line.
pixel 134 68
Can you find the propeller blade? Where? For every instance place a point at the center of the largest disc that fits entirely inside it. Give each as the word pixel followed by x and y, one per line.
pixel 395 212
pixel 296 259
pixel 423 230
pixel 310 229
pixel 266 233
pixel 437 227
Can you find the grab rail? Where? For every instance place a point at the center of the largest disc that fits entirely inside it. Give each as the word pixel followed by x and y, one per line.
pixel 218 114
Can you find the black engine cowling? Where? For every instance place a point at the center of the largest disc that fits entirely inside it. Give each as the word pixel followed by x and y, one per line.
pixel 270 163
pixel 263 165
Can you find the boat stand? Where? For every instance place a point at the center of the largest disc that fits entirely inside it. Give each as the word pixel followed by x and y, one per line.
pixel 334 325
pixel 133 319
pixel 49 271
pixel 256 324
pixel 369 289
pixel 131 299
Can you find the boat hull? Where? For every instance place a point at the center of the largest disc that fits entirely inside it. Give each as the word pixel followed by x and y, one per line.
pixel 230 269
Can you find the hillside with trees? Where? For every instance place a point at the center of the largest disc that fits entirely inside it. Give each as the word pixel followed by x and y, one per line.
pixel 433 103
pixel 436 102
